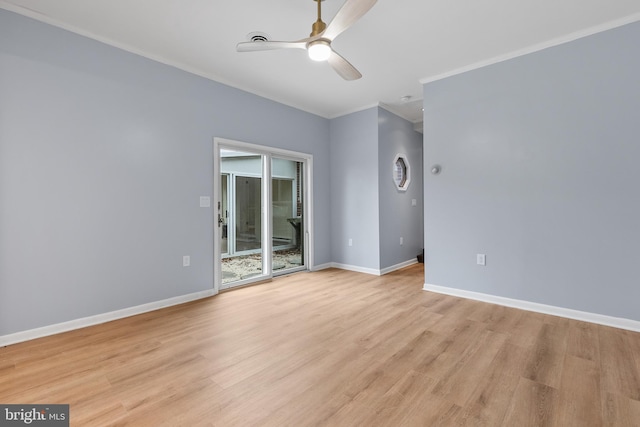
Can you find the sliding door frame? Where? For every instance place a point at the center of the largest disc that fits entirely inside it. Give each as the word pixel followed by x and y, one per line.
pixel 267 154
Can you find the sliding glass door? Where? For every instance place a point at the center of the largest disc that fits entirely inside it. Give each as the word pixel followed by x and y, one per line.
pixel 261 224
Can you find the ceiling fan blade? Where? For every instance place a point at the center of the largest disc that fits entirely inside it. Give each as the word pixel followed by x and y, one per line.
pixel 269 45
pixel 343 67
pixel 350 12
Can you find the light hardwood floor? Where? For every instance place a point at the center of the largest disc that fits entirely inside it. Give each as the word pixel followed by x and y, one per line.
pixel 334 348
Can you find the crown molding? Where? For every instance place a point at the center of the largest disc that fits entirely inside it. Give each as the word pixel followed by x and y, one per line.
pixel 536 47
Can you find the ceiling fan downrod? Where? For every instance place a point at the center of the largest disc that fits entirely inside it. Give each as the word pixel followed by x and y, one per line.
pixel 318 26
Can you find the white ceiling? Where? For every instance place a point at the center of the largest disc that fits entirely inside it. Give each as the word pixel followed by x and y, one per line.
pixel 397 45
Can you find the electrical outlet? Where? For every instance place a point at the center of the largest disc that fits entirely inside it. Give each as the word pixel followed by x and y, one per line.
pixel 350 242
pixel 401 241
pixel 481 259
pixel 186 261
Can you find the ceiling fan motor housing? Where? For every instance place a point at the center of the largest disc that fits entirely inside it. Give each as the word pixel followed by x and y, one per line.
pixel 317 27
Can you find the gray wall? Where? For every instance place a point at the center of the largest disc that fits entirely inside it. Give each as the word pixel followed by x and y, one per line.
pixel 103 157
pixel 365 204
pixel 398 218
pixel 540 173
pixel 354 189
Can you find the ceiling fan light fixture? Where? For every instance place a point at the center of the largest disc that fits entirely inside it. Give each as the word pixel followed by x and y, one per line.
pixel 319 50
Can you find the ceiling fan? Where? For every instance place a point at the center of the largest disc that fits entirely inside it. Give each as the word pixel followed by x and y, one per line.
pixel 318 44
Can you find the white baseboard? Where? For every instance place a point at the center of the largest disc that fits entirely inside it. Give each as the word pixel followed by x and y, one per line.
pixel 99 318
pixel 616 322
pixel 356 268
pixel 398 266
pixel 366 270
pixel 321 266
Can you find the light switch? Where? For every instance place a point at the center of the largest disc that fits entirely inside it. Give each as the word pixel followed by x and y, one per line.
pixel 205 201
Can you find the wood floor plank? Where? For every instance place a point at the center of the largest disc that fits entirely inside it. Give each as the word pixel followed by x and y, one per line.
pixel 411 386
pixel 397 348
pixel 533 405
pixel 458 383
pixel 314 384
pixel 522 327
pixel 579 397
pixel 619 411
pixel 547 357
pixel 458 332
pixel 491 398
pixel 431 411
pixel 294 414
pixel 583 341
pixel 409 402
pixel 620 372
pixel 333 348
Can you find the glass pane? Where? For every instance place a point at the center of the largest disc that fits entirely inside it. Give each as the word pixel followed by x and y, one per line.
pixel 283 233
pixel 242 216
pixel 223 214
pixel 247 211
pixel 287 224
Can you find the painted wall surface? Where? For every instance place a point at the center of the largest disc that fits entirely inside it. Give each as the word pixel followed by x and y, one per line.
pixel 103 158
pixel 398 218
pixel 540 172
pixel 354 189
